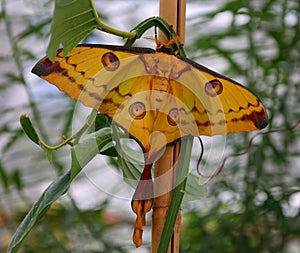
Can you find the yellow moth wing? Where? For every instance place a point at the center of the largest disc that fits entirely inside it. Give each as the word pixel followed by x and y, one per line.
pixel 229 107
pixel 179 97
pixel 82 74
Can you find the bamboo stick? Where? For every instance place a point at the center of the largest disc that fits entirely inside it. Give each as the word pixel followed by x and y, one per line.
pixel 173 11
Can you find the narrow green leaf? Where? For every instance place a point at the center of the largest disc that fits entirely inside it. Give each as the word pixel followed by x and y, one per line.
pixel 81 154
pixel 12 140
pixel 4 177
pixel 177 195
pixel 38 210
pixel 72 22
pixel 28 128
pixel 12 77
pixel 16 178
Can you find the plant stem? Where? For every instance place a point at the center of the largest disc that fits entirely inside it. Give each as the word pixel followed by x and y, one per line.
pixel 76 137
pixel 105 28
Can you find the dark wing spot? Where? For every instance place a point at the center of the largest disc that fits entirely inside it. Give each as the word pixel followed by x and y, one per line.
pixel 260 119
pixel 205 124
pixel 72 79
pixel 110 61
pixel 173 117
pixel 82 87
pixel 45 67
pixel 137 110
pixel 213 88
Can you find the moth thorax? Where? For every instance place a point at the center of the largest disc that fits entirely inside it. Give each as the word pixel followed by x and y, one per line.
pixel 160 83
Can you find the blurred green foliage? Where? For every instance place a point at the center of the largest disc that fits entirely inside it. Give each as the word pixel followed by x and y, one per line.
pixel 252 206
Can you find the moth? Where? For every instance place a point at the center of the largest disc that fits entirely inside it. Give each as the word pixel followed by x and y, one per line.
pixel 156 96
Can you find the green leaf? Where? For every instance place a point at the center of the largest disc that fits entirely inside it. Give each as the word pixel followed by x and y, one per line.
pixel 39 209
pixel 88 148
pixel 12 140
pixel 73 20
pixel 177 194
pixel 28 128
pixel 16 178
pixel 132 164
pixel 109 150
pixel 195 188
pixel 101 121
pixel 4 177
pixel 130 161
pixel 12 77
pixel 81 154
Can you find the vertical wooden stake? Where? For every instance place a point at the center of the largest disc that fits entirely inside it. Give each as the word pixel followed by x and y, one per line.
pixel 173 11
